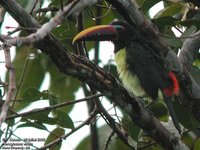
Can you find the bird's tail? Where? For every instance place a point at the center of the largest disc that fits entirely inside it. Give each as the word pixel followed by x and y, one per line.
pixel 170 107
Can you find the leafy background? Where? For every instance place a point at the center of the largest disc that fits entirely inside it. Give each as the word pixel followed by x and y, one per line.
pixel 32 67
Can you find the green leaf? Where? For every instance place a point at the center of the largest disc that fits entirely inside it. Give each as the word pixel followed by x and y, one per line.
pixel 31 94
pixel 11 122
pixel 84 144
pixel 148 4
pixel 197 144
pixel 165 21
pixel 63 119
pixel 173 42
pixel 38 115
pixel 55 134
pixel 37 125
pixel 104 132
pixel 118 145
pixel 63 86
pixel 140 2
pixel 54 3
pixel 159 110
pixel 41 117
pixel 48 120
pixel 65 32
pixel 32 76
pixel 134 131
pixel 60 118
pixel 188 139
pixel 47 95
pixel 131 128
pixel 190 22
pixel 196 63
pixel 184 117
pixel 171 10
pixel 195 71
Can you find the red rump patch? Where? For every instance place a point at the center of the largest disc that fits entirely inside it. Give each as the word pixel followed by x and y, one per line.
pixel 174 88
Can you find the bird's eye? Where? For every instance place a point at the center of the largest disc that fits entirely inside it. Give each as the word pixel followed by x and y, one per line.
pixel 119 28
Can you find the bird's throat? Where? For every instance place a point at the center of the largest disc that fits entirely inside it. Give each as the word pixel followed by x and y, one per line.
pixel 128 78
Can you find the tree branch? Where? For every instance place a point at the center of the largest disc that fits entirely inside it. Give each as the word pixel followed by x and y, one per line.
pixel 96 77
pixel 190 50
pixel 190 95
pixel 109 140
pixel 115 126
pixel 11 86
pixel 92 97
pixel 58 140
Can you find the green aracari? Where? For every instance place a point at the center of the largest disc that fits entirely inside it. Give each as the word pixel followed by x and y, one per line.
pixel 141 66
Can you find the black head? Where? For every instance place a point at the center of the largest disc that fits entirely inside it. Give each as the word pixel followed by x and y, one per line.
pixel 120 33
pixel 125 37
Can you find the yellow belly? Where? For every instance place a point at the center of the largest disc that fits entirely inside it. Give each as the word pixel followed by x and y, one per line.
pixel 129 80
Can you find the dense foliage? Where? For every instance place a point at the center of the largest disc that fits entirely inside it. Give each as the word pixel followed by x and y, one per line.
pixel 176 20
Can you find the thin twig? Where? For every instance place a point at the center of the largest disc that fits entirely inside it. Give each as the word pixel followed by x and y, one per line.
pixel 44 30
pixel 80 47
pixel 181 37
pixel 58 140
pixel 3 38
pixel 111 122
pixel 45 10
pixel 106 7
pixel 53 106
pixel 147 146
pixel 116 114
pixel 19 29
pixel 5 140
pixel 21 77
pixel 102 16
pixel 11 86
pixel 109 140
pixel 34 7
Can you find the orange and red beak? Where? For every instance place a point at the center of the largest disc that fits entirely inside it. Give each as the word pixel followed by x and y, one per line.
pixel 99 33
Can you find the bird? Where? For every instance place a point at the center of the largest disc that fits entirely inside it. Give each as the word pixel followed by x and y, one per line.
pixel 141 66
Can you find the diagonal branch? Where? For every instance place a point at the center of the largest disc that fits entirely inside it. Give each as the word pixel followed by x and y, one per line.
pixel 189 50
pixel 190 89
pixel 96 77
